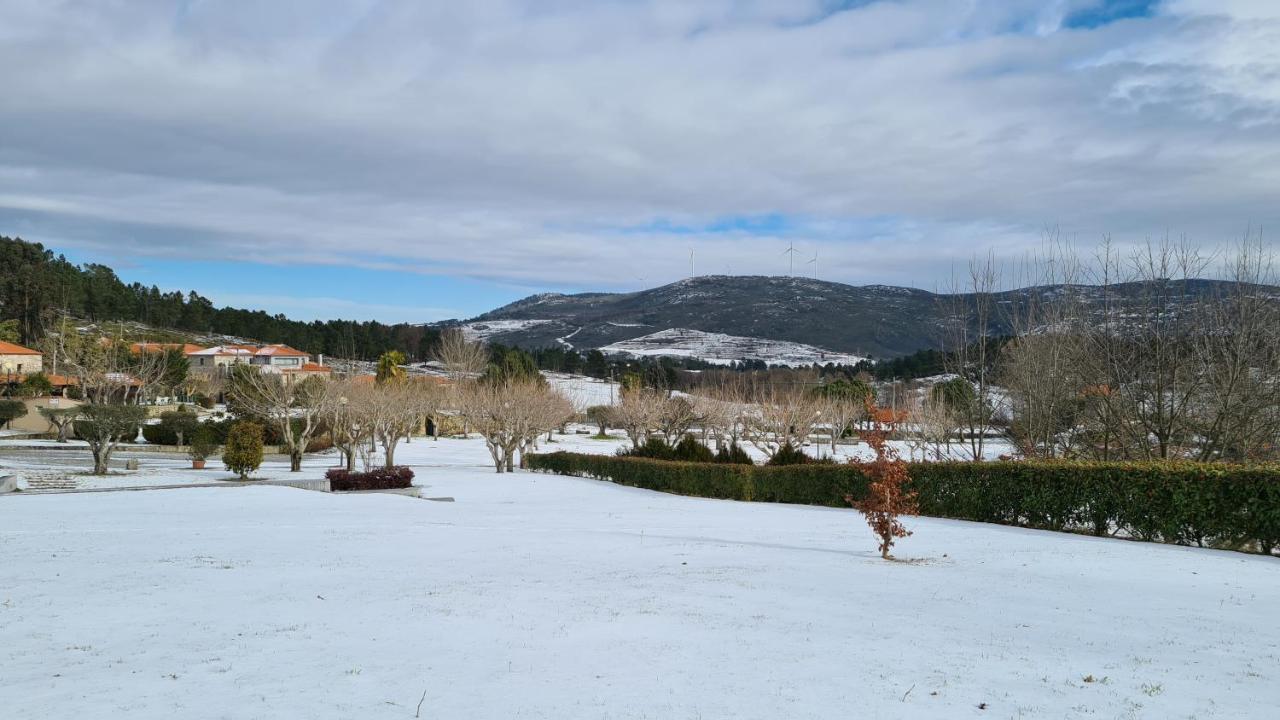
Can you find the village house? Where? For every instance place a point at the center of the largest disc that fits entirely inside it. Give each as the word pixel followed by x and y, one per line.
pixel 219 360
pixel 17 362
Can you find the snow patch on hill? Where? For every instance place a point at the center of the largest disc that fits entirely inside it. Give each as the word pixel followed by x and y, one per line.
pixel 488 328
pixel 724 349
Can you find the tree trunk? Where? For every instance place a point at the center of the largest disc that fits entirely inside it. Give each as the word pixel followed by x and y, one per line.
pixel 295 460
pixel 101 457
pixel 496 454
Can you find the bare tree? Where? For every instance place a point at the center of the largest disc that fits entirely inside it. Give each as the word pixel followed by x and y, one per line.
pixel 462 358
pixel 783 416
pixel 392 410
pixel 639 413
pixel 281 400
pixel 343 416
pixel 932 428
pixel 1237 412
pixel 678 416
pixel 510 414
pixel 111 380
pixel 969 321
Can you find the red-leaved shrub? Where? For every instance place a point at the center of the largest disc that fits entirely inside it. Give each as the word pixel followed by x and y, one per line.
pixel 382 478
pixel 887 475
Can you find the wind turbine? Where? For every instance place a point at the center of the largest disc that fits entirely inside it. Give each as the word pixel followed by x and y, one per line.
pixel 814 263
pixel 791 250
pixel 692 266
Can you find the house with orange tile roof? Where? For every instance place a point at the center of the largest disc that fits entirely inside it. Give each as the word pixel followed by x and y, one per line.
pixel 283 359
pixel 219 360
pixel 17 362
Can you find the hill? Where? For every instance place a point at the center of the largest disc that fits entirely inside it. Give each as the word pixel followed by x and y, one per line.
pixel 828 317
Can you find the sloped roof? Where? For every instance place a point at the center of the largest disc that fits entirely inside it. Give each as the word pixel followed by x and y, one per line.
pixel 311 368
pixel 279 350
pixel 8 348
pixel 224 350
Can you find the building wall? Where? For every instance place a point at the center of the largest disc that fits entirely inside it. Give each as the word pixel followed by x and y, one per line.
pixel 21 364
pixel 34 421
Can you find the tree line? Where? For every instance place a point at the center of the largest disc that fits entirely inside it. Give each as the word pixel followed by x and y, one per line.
pixel 37 286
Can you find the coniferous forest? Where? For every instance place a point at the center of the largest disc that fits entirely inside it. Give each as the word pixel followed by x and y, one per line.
pixel 37 286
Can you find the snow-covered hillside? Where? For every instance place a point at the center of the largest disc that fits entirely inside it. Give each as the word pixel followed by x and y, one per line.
pixel 724 349
pixel 489 328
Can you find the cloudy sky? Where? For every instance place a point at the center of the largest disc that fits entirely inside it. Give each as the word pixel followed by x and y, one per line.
pixel 414 160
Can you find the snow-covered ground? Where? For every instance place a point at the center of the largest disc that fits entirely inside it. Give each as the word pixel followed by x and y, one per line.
pixel 725 349
pixel 488 328
pixel 585 391
pixel 37 462
pixel 539 596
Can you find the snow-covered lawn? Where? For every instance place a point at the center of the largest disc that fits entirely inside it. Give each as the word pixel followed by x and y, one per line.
pixel 538 596
pixel 36 460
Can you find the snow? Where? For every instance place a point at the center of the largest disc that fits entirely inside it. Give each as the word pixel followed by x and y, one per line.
pixel 488 328
pixel 719 348
pixel 585 391
pixel 565 339
pixel 34 461
pixel 539 596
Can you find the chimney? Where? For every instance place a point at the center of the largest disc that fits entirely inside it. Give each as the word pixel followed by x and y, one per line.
pixel 320 359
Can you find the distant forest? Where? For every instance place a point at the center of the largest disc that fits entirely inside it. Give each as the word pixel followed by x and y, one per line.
pixel 37 286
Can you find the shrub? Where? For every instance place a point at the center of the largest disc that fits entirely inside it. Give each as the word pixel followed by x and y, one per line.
pixel 35 385
pixel 243 453
pixel 179 424
pixel 1221 505
pixel 802 484
pixel 158 434
pixel 653 448
pixel 319 443
pixel 887 495
pixel 383 478
pixel 203 443
pixel 734 454
pixel 789 454
pixel 203 401
pixel 691 449
pixel 11 410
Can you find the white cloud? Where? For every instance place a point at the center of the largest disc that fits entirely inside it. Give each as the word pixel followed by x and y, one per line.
pixel 514 140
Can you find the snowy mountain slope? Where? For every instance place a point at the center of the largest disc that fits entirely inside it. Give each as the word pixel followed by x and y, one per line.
pixel 725 349
pixel 874 320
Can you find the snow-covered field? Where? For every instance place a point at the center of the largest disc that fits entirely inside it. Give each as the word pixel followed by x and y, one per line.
pixel 538 596
pixel 724 349
pixel 585 391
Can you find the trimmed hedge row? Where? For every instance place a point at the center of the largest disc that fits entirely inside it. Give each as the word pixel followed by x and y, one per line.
pixel 1227 506
pixel 391 478
pixel 798 484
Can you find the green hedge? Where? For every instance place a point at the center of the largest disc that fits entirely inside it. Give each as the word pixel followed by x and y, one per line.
pixel 1218 505
pixel 801 484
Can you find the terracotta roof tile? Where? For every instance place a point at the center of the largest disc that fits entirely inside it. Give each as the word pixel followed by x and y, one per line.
pixel 8 348
pixel 280 350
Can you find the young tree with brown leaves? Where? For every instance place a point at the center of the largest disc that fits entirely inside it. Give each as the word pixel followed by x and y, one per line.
pixel 887 497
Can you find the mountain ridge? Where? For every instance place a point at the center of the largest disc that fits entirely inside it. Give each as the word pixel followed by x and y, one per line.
pixel 882 321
